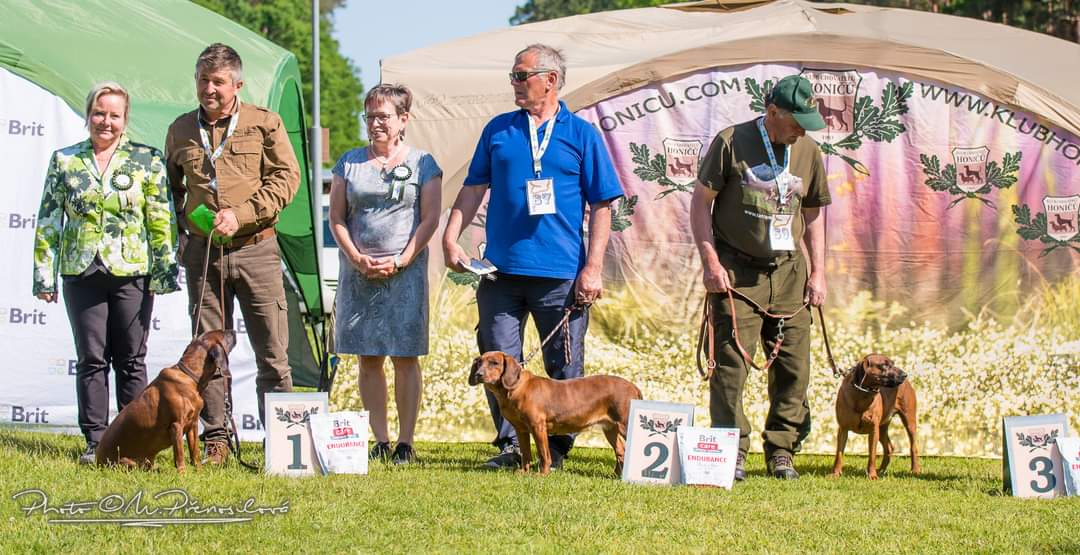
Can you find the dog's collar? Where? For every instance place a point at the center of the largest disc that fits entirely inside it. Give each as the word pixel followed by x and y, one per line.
pixel 184 368
pixel 861 375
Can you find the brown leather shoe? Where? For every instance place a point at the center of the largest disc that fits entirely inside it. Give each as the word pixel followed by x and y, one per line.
pixel 217 452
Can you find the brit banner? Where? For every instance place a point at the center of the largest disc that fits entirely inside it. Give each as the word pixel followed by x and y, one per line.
pixel 39 374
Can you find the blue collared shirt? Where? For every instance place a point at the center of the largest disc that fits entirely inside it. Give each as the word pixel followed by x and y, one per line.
pixel 550 245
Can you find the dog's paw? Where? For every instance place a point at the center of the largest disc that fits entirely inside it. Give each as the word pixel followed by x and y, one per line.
pixel 834 474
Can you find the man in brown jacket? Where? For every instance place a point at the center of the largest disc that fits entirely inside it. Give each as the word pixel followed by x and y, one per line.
pixel 235 159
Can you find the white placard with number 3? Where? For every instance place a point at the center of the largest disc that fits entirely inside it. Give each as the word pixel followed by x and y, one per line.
pixel 1032 464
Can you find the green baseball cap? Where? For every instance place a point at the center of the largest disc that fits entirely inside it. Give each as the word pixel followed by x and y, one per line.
pixel 795 94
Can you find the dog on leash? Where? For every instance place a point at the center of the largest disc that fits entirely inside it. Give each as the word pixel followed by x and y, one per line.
pixel 871 393
pixel 168 409
pixel 538 406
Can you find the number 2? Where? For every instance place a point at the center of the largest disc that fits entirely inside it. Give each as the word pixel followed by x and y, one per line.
pixel 1046 472
pixel 661 458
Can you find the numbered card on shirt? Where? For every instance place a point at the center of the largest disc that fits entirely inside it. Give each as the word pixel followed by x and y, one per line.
pixel 1069 447
pixel 652 447
pixel 541 196
pixel 1032 463
pixel 289 448
pixel 781 236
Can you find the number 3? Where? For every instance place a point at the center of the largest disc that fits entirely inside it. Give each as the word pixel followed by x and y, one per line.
pixel 1046 472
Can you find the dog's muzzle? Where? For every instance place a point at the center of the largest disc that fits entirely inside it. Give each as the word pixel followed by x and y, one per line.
pixel 474 377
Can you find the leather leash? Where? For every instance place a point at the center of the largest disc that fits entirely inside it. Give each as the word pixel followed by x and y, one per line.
pixel 707 333
pixel 232 436
pixel 564 326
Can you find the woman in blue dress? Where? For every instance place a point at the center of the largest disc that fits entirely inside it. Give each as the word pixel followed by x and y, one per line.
pixel 385 201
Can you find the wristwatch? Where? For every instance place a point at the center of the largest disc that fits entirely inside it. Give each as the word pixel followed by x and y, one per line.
pixel 397 261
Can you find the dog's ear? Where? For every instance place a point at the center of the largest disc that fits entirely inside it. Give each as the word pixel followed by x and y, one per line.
pixel 220 357
pixel 473 379
pixel 511 372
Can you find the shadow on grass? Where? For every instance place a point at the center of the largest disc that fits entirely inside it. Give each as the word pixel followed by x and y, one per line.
pixel 40 446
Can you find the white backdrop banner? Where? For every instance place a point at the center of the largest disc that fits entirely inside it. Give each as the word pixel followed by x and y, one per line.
pixel 38 372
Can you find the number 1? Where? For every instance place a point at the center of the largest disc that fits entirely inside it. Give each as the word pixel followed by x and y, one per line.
pixel 297 464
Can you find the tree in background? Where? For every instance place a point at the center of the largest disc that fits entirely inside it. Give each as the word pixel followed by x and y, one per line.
pixel 541 10
pixel 287 23
pixel 1060 18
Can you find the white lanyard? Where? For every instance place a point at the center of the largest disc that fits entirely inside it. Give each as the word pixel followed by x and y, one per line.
pixel 539 150
pixel 781 185
pixel 213 156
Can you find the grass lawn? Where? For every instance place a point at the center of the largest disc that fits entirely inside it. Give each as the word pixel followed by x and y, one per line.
pixel 447 504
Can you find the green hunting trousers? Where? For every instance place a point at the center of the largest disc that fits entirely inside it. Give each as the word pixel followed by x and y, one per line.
pixel 778 286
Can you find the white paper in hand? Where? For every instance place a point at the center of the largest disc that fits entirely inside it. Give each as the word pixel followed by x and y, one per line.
pixel 341 442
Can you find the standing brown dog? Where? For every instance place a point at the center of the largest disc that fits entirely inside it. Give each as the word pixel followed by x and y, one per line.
pixel 168 409
pixel 539 406
pixel 870 394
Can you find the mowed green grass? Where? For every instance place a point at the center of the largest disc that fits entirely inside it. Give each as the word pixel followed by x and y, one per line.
pixel 448 504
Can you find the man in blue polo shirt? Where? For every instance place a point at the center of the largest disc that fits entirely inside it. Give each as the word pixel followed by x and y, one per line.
pixel 543 165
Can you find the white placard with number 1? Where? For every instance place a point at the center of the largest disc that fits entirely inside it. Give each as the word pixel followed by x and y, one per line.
pixel 289 449
pixel 652 450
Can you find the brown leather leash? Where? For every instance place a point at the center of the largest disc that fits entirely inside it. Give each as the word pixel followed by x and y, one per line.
pixel 563 326
pixel 232 436
pixel 707 333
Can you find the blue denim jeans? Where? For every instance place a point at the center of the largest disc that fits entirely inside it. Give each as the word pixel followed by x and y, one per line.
pixel 505 306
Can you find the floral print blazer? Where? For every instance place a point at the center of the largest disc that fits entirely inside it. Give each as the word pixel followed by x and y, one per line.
pixel 125 216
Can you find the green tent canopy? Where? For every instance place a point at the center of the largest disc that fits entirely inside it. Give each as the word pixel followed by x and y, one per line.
pixel 66 46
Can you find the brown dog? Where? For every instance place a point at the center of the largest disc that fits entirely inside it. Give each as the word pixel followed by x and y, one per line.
pixel 538 406
pixel 168 409
pixel 870 394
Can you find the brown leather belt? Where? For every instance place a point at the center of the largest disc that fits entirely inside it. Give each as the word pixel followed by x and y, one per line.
pixel 244 240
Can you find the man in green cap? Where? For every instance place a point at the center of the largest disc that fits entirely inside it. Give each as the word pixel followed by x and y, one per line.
pixel 759 194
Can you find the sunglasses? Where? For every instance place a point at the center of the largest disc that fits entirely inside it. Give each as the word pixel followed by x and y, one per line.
pixel 519 76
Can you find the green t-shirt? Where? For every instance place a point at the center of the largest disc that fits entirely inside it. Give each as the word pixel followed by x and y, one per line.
pixel 737 168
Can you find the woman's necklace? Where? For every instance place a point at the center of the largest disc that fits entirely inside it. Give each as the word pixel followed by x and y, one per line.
pixel 398 175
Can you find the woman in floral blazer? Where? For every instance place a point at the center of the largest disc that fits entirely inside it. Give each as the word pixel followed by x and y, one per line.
pixel 106 225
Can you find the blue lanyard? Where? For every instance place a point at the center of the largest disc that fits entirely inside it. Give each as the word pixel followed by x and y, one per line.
pixel 781 188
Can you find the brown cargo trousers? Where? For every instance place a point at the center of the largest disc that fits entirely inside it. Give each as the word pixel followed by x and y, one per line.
pixel 778 286
pixel 253 278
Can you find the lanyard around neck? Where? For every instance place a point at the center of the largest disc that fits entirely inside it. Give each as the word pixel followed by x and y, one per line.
pixel 538 150
pixel 777 169
pixel 215 154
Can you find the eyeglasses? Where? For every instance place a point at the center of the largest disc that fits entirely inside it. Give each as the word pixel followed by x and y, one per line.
pixel 519 76
pixel 377 117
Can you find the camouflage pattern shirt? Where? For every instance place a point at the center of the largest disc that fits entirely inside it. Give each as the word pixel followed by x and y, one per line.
pixel 125 216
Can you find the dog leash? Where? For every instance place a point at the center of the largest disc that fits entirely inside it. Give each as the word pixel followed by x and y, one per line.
pixel 707 334
pixel 232 436
pixel 564 326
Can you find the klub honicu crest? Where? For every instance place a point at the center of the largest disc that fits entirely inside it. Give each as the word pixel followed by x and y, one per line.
pixel 1058 226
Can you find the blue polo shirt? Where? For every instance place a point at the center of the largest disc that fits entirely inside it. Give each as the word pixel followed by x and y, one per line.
pixel 548 245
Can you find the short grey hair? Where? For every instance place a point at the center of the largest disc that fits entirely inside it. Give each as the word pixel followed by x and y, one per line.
pixel 548 57
pixel 107 87
pixel 219 56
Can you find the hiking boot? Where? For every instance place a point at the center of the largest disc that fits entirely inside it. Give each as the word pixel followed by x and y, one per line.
pixel 215 453
pixel 381 451
pixel 780 466
pixel 90 455
pixel 403 454
pixel 509 457
pixel 740 467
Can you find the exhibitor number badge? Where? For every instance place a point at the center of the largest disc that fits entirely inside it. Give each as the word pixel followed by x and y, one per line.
pixel 541 196
pixel 781 237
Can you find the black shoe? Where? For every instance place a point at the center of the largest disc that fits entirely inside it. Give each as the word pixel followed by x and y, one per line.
pixel 403 454
pixel 381 451
pixel 780 466
pixel 90 455
pixel 557 458
pixel 740 467
pixel 509 457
